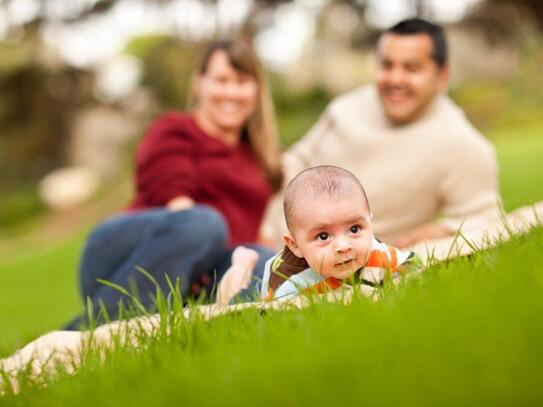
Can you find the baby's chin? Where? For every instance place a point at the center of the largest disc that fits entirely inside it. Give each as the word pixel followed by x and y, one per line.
pixel 341 274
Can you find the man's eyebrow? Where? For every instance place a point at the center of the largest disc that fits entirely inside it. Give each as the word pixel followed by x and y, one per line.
pixel 417 61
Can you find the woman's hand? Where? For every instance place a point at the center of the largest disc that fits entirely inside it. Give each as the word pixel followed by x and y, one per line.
pixel 180 203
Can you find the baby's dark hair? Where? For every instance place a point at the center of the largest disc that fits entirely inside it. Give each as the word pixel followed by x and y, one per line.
pixel 323 181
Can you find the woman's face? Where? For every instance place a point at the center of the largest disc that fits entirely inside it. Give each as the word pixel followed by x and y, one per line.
pixel 226 97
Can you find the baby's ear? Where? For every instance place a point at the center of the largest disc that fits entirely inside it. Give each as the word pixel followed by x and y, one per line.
pixel 291 243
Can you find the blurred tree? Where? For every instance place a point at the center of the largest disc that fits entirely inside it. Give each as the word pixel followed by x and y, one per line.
pixel 531 7
pixel 506 19
pixel 37 102
pixel 77 11
pixel 167 65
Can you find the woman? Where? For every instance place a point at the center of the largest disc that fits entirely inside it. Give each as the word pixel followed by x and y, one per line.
pixel 203 180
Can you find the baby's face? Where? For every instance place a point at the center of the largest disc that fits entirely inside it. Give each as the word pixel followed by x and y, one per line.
pixel 333 235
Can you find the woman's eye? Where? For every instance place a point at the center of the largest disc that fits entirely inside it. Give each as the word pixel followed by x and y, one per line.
pixel 323 236
pixel 245 79
pixel 220 79
pixel 355 229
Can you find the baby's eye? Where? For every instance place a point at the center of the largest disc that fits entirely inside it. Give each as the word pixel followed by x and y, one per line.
pixel 355 229
pixel 323 236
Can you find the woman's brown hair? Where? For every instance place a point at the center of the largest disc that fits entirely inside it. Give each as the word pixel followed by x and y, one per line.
pixel 261 129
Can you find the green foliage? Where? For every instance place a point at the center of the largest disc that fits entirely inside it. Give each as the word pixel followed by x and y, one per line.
pixel 142 46
pixel 14 57
pixel 296 113
pixel 491 105
pixel 167 65
pixel 19 205
pixel 36 108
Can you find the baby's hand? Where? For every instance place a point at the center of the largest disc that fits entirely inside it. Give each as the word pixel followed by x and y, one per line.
pixel 238 276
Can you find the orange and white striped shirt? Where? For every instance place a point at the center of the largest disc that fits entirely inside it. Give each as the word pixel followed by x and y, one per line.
pixel 286 275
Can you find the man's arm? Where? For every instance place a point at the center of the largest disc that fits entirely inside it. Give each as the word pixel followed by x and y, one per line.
pixel 468 192
pixel 429 231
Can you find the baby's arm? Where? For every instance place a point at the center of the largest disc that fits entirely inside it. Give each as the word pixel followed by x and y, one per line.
pixel 238 276
pixel 411 265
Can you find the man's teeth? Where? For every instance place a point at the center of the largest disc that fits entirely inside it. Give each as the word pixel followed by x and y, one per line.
pixel 394 93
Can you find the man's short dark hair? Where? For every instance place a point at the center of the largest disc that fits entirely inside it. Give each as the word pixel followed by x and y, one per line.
pixel 414 26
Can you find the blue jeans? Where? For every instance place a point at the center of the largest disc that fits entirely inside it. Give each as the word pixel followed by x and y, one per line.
pixel 185 245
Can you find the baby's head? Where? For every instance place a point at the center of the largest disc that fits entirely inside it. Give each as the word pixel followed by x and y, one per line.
pixel 329 221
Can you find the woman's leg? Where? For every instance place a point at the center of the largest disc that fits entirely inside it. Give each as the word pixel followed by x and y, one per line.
pixel 180 244
pixel 111 243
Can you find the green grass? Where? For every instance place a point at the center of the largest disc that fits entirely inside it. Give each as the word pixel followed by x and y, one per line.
pixel 521 168
pixel 39 292
pixel 467 332
pixel 38 286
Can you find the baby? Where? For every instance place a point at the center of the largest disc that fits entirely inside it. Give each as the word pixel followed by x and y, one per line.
pixel 329 241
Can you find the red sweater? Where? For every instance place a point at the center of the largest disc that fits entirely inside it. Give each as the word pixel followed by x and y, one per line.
pixel 177 158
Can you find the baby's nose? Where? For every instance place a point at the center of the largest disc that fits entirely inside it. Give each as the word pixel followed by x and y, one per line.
pixel 343 245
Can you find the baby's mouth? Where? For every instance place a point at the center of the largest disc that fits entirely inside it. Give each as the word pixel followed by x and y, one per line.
pixel 346 263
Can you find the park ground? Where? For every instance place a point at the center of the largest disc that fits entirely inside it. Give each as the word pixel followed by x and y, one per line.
pixel 468 331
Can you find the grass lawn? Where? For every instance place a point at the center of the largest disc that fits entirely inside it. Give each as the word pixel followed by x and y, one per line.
pixel 467 332
pixel 38 292
pixel 520 152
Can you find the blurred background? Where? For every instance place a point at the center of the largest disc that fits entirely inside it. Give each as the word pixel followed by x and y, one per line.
pixel 81 79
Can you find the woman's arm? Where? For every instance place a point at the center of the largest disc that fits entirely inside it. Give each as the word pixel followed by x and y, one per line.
pixel 165 163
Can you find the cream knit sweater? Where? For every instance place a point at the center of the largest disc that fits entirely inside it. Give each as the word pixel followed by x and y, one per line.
pixel 437 168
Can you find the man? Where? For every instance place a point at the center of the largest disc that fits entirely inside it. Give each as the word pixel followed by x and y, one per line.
pixel 426 169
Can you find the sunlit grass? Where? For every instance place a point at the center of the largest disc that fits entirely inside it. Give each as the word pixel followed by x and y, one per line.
pixel 521 168
pixel 39 290
pixel 466 332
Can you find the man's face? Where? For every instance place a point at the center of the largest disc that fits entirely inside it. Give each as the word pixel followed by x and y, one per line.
pixel 408 78
pixel 333 235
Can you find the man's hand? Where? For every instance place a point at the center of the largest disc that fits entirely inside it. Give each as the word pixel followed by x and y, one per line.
pixel 425 232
